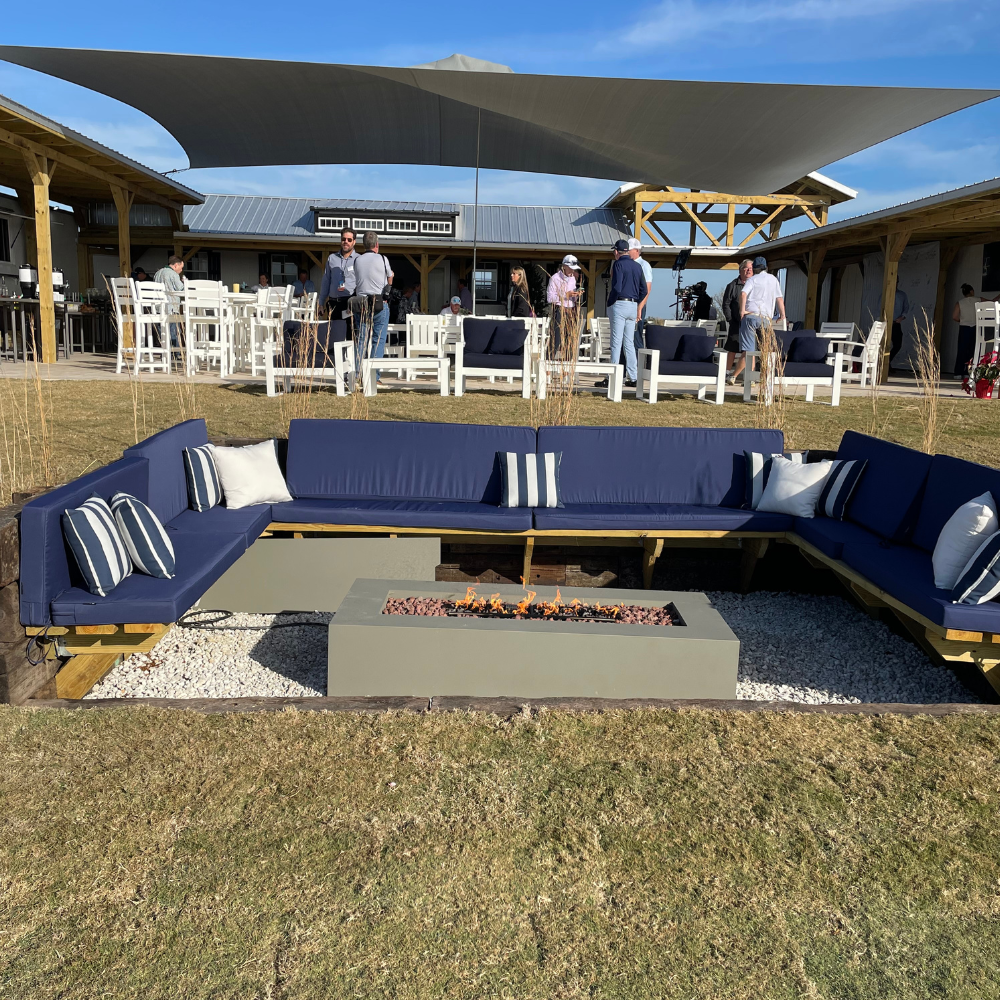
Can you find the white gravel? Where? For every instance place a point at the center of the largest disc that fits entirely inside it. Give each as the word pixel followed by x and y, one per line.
pixel 793 647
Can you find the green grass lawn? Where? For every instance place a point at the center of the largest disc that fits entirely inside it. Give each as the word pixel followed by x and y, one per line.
pixel 625 855
pixel 93 421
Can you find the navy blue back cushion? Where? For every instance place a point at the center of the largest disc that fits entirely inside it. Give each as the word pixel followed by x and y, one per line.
pixel 665 339
pixel 951 483
pixel 338 459
pixel 312 353
pixel 168 494
pixel 808 349
pixel 47 567
pixel 696 347
pixel 508 338
pixel 889 493
pixel 477 334
pixel 697 465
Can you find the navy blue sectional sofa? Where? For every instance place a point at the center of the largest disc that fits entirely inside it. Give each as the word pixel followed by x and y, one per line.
pixel 626 482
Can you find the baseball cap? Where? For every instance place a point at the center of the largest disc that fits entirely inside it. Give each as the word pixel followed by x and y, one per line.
pixel 634 244
pixel 621 246
pixel 759 262
pixel 570 261
pixel 456 300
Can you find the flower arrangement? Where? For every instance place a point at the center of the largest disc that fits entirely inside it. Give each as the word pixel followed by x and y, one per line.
pixel 980 380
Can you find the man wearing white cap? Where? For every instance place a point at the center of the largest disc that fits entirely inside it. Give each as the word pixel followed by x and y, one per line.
pixel 635 252
pixel 455 307
pixel 563 297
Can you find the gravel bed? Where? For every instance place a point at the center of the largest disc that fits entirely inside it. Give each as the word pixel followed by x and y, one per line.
pixel 793 647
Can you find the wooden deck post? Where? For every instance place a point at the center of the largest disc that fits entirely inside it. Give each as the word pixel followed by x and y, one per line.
pixel 893 246
pixel 41 171
pixel 947 252
pixel 835 285
pixel 730 223
pixel 424 281
pixel 816 257
pixel 592 287
pixel 123 203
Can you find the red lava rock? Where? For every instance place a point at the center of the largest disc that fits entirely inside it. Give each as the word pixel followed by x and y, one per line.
pixel 434 607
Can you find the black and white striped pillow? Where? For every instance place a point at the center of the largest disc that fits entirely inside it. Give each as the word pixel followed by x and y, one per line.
pixel 840 484
pixel 144 537
pixel 204 489
pixel 758 468
pixel 530 480
pixel 980 580
pixel 97 547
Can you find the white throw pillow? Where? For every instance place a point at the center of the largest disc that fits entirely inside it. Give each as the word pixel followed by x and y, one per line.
pixel 794 487
pixel 961 536
pixel 251 474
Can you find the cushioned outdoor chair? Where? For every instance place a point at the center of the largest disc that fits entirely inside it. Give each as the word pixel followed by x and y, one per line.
pixel 300 355
pixel 492 348
pixel 681 355
pixel 807 363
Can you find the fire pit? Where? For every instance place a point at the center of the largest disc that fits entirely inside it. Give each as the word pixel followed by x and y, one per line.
pixel 397 637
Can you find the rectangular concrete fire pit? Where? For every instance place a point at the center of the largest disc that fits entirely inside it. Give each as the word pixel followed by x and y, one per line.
pixel 372 653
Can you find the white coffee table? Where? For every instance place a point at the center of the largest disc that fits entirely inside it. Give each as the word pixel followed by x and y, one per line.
pixel 615 374
pixel 439 367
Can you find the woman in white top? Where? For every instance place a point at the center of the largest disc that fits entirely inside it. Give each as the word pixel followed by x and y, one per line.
pixel 964 314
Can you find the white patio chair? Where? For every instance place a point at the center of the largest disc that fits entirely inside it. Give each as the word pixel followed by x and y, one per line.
pixel 152 324
pixel 427 337
pixel 128 319
pixel 867 354
pixel 303 308
pixel 267 319
pixel 987 329
pixel 525 373
pixel 808 382
pixel 205 326
pixel 599 330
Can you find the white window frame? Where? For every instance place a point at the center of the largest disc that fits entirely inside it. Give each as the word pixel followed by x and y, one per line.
pixel 329 223
pixel 375 225
pixel 401 225
pixel 439 227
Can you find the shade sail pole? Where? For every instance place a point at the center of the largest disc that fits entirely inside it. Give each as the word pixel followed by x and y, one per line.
pixel 475 219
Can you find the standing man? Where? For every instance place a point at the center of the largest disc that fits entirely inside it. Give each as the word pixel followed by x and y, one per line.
pixel 339 281
pixel 465 294
pixel 373 275
pixel 563 297
pixel 304 285
pixel 170 278
pixel 635 252
pixel 900 310
pixel 761 293
pixel 626 293
pixel 731 310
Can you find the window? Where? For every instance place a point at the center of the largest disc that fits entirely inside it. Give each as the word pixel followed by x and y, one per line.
pixel 330 223
pixel 443 228
pixel 4 241
pixel 206 265
pixel 284 269
pixel 376 225
pixel 401 225
pixel 486 282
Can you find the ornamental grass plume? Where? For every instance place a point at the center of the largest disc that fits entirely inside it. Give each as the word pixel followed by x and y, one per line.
pixel 927 371
pixel 769 411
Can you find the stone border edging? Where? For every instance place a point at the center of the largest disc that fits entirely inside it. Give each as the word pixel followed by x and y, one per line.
pixel 509 707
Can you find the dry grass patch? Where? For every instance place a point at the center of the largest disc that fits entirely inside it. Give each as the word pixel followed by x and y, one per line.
pixel 627 855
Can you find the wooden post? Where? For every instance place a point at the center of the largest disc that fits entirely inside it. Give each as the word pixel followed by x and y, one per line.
pixel 637 218
pixel 424 276
pixel 835 283
pixel 41 173
pixel 775 230
pixel 947 252
pixel 693 238
pixel 812 285
pixel 893 247
pixel 123 203
pixel 592 287
pixel 730 223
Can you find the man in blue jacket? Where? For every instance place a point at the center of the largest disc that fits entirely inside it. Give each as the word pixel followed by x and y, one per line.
pixel 627 290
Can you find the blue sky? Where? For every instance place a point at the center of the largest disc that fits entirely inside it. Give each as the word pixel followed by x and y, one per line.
pixel 874 42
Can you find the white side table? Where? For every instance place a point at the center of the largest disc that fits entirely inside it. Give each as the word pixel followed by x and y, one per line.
pixel 615 374
pixel 427 366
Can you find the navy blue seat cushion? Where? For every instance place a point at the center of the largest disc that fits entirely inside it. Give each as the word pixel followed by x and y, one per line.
pixel 663 517
pixel 696 347
pixel 514 362
pixel 905 572
pixel 246 521
pixel 655 465
pixel 309 352
pixel 477 334
pixel 455 514
pixel 688 367
pixel 830 536
pixel 168 492
pixel 508 338
pixel 395 460
pixel 805 369
pixel 201 559
pixel 888 496
pixel 666 339
pixel 785 338
pixel 812 350
pixel 951 482
pixel 47 565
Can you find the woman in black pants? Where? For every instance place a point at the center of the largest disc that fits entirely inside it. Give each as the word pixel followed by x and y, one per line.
pixel 964 314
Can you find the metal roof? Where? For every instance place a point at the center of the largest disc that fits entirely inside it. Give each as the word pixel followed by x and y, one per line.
pixel 51 126
pixel 516 225
pixel 355 205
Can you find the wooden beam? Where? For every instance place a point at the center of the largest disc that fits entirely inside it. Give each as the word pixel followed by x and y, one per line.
pixel 671 196
pixel 652 548
pixel 813 267
pixel 695 221
pixel 424 290
pixel 40 171
pixel 947 252
pixel 893 247
pixel 730 224
pixel 316 260
pixel 591 286
pixel 80 673
pixel 762 224
pixel 123 205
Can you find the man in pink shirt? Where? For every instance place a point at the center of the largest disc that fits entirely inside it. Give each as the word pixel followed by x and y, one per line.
pixel 563 298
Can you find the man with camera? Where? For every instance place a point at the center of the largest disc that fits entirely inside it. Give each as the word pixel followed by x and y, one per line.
pixel 338 283
pixel 373 279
